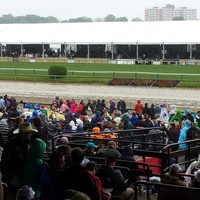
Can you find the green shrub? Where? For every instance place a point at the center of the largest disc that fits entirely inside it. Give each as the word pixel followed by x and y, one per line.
pixel 57 71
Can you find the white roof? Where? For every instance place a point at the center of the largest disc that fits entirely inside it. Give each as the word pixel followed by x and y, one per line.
pixel 170 32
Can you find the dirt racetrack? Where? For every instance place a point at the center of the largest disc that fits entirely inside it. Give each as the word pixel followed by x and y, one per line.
pixel 45 92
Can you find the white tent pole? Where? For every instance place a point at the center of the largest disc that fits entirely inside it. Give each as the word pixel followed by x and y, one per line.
pixel 22 50
pixel 43 50
pixel 190 51
pixel 65 46
pixel 112 50
pixel 1 49
pixel 137 50
pixel 163 51
pixel 88 51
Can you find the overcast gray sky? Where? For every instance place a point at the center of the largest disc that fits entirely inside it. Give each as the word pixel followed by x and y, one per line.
pixel 65 9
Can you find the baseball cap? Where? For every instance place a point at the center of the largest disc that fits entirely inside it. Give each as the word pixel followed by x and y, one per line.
pixel 91 145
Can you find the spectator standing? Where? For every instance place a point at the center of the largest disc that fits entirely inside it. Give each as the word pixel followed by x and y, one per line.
pixel 52 130
pixel 145 109
pixel 121 105
pixel 112 106
pixel 18 121
pixel 173 135
pixel 14 155
pixel 138 107
pixel 152 110
pixel 182 136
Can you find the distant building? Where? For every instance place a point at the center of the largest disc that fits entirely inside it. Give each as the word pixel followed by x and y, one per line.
pixel 169 13
pixel 153 14
pixel 186 14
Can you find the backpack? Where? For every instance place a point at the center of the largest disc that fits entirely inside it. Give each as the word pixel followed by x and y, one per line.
pixel 192 133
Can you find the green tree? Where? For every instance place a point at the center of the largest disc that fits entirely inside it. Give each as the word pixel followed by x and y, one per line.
pixel 98 20
pixel 21 19
pixel 7 19
pixel 137 19
pixel 121 19
pixel 109 18
pixel 81 19
pixel 51 19
pixel 65 21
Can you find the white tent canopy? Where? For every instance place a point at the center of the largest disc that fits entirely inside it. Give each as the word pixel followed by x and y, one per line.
pixel 170 32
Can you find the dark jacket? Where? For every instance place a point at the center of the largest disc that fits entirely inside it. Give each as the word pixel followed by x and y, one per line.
pixel 115 178
pixel 46 178
pixel 76 177
pixel 173 193
pixel 12 161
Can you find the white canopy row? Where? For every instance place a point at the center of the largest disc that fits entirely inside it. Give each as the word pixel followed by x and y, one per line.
pixel 133 33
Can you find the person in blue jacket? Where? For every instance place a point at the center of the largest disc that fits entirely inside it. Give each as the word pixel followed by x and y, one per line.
pixel 182 136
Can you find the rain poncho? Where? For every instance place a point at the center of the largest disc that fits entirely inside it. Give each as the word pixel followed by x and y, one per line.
pixel 32 161
pixel 52 130
pixel 182 136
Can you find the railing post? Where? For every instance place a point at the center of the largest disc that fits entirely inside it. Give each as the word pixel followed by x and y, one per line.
pixel 34 75
pixel 15 74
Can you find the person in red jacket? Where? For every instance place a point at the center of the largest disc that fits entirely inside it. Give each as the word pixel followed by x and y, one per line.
pixel 138 107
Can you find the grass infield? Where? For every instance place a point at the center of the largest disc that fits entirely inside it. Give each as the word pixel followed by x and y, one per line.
pixel 100 73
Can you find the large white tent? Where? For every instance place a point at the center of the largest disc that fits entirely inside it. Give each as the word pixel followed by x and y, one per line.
pixel 135 33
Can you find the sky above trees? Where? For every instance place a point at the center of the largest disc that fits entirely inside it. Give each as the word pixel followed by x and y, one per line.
pixel 94 9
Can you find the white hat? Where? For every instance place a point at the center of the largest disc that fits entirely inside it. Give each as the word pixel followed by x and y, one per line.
pixel 197 175
pixel 176 168
pixel 25 127
pixel 63 140
pixel 25 191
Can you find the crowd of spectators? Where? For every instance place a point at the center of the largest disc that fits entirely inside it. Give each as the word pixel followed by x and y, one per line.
pixel 68 170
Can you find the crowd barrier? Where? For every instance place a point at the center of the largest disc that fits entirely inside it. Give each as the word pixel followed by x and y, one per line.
pixel 178 192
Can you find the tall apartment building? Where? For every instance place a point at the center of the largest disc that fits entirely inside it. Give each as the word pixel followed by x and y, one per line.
pixel 169 12
pixel 153 14
pixel 186 14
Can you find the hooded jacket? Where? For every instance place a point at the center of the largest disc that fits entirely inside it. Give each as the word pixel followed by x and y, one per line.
pixel 182 136
pixel 138 107
pixel 32 162
pixel 52 130
pixel 127 125
pixel 178 116
pixel 72 106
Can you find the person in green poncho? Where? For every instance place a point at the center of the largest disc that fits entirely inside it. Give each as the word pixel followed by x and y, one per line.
pixel 178 116
pixel 32 161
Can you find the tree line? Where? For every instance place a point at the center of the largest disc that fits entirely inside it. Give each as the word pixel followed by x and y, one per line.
pixel 31 18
